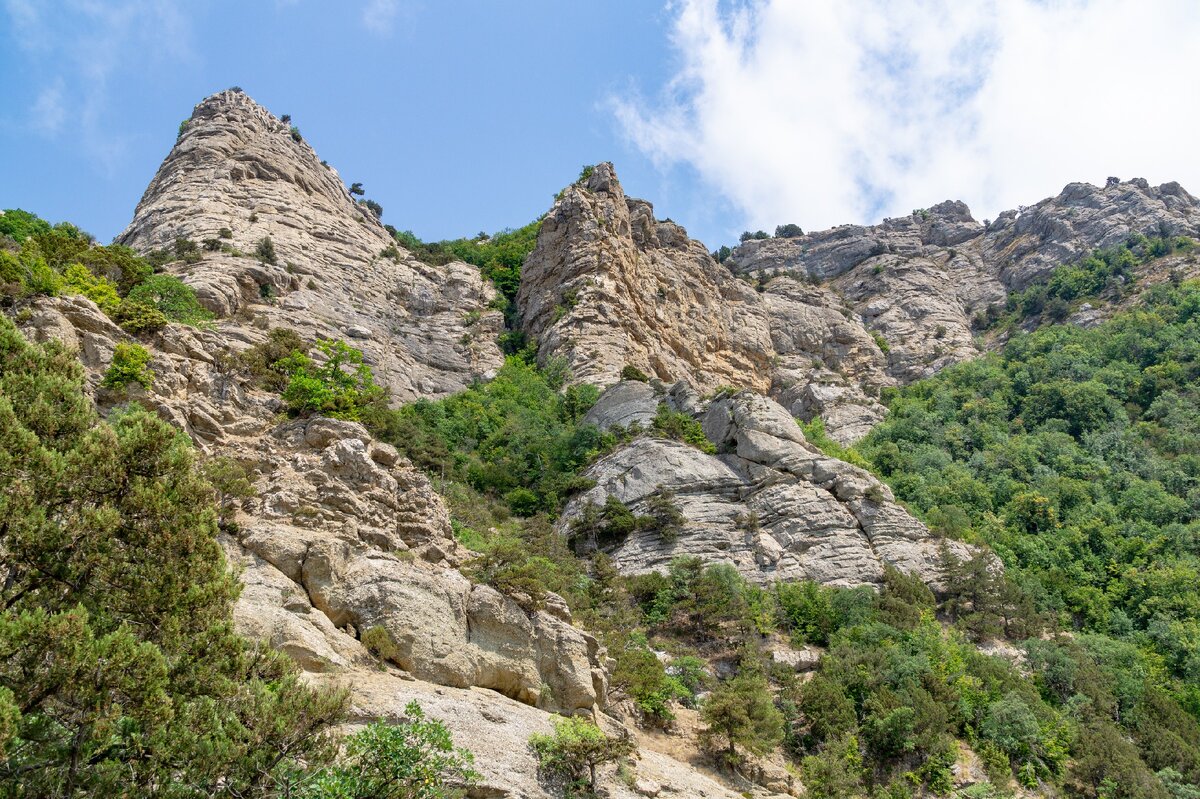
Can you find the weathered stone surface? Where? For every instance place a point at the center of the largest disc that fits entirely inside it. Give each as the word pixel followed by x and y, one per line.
pixel 769 503
pixel 894 302
pixel 427 330
pixel 610 286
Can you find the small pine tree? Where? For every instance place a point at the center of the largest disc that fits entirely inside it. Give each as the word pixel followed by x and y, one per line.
pixel 740 712
pixel 576 749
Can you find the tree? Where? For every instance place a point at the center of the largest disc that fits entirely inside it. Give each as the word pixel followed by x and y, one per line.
pixel 122 672
pixel 357 189
pixel 836 772
pixel 740 712
pixel 412 759
pixel 265 250
pixel 789 231
pixel 576 748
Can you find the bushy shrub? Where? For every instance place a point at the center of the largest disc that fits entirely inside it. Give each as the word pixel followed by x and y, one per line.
pixel 740 712
pixel 682 427
pixel 130 364
pixel 99 290
pixel 414 758
pixel 123 673
pixel 172 297
pixel 789 231
pixel 138 317
pixel 576 749
pixel 630 372
pixel 265 250
pixel 341 386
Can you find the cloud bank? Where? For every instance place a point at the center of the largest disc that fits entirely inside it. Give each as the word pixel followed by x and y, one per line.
pixel 836 111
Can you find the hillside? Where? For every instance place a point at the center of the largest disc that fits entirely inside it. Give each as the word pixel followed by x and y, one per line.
pixel 876 511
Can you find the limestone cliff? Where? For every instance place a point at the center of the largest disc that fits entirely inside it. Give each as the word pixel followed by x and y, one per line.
pixel 609 285
pixel 235 177
pixel 768 502
pixel 837 315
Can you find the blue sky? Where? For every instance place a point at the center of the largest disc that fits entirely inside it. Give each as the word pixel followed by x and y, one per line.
pixel 468 115
pixel 457 116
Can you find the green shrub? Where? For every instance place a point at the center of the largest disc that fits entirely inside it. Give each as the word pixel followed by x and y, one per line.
pixel 341 387
pixel 99 290
pixel 123 673
pixel 225 233
pixel 294 132
pixel 575 750
pixel 741 713
pixel 414 758
pixel 630 372
pixel 265 250
pixel 266 362
pixel 129 365
pixel 881 342
pixel 19 225
pixel 682 427
pixel 138 317
pixel 172 297
pixel 379 642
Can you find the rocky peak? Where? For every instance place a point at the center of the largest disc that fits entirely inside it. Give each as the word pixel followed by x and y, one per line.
pixel 253 177
pixel 1023 245
pixel 238 177
pixel 608 285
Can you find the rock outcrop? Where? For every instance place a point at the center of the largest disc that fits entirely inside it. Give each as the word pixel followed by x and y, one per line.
pixel 838 314
pixel 235 177
pixel 769 503
pixel 609 286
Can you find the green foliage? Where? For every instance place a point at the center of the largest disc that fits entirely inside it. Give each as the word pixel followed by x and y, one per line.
pixel 740 713
pixel 265 250
pixel 123 676
pixel 1105 273
pixel 758 235
pixel 575 750
pixel 789 231
pixel 881 342
pixel 814 433
pixel 499 256
pixel 629 372
pixel 412 759
pixel 1073 454
pixel 98 289
pixel 379 642
pixel 19 225
pixel 130 364
pixel 340 386
pixel 172 297
pixel 514 432
pixel 681 427
pixel 139 317
pixel 294 132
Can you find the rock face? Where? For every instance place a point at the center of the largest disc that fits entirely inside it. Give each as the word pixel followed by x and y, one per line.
pixel 343 535
pixel 838 315
pixel 769 503
pixel 427 330
pixel 609 285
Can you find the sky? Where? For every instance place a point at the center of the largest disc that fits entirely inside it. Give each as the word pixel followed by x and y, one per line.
pixel 463 116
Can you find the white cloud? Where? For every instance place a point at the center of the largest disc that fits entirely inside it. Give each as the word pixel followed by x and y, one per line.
pixel 48 113
pixel 79 51
pixel 380 15
pixel 836 111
